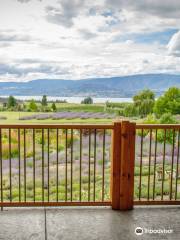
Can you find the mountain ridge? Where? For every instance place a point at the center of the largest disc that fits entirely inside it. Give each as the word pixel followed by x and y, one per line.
pixel 123 86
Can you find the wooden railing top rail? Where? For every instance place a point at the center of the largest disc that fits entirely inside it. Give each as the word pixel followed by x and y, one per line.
pixel 157 126
pixel 85 126
pixel 55 126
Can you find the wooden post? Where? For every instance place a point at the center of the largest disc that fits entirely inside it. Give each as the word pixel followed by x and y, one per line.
pixel 123 158
pixel 115 166
pixel 127 165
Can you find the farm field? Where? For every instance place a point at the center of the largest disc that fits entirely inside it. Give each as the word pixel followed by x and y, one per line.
pixel 66 113
pixel 13 118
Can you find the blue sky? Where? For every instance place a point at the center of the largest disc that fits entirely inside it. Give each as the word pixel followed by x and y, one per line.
pixel 161 37
pixel 84 39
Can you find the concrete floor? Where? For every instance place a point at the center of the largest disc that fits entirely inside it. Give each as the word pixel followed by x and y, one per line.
pixel 88 223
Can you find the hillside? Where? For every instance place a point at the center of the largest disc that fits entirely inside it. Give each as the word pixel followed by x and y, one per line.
pixel 125 86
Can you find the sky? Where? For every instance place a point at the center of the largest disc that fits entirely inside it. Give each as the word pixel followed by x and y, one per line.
pixel 78 39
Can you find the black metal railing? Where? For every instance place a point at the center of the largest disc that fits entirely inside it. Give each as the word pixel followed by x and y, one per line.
pixel 51 165
pixel 157 173
pixel 55 164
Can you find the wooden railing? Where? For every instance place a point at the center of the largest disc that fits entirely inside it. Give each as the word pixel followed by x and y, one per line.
pixel 118 165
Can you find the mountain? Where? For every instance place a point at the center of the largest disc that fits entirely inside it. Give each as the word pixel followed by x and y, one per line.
pixel 125 86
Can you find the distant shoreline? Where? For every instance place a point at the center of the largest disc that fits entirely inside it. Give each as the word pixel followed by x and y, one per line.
pixel 72 99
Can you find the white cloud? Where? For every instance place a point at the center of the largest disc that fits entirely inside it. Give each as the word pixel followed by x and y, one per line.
pixel 174 45
pixel 65 12
pixel 161 8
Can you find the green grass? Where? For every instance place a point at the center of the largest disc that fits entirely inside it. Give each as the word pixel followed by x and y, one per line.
pixel 80 107
pixel 96 107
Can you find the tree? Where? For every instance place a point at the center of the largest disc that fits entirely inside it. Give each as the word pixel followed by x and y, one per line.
pixel 169 102
pixel 54 108
pixel 130 111
pixel 11 102
pixel 44 101
pixel 144 102
pixel 167 118
pixel 87 100
pixel 33 106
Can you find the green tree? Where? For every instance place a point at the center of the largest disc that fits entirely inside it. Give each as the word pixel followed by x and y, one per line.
pixel 169 102
pixel 53 106
pixel 166 118
pixel 130 111
pixel 12 103
pixel 144 102
pixel 33 106
pixel 44 101
pixel 87 100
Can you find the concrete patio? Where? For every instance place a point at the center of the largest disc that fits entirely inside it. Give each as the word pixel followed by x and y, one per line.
pixel 88 223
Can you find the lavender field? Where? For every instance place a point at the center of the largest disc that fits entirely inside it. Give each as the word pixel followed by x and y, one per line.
pixel 68 115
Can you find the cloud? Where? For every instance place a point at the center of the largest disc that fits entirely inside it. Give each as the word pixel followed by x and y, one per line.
pixel 26 1
pixel 160 8
pixel 64 14
pixel 83 38
pixel 6 68
pixel 86 34
pixel 34 67
pixel 174 45
pixel 10 37
pixel 4 44
pixel 23 1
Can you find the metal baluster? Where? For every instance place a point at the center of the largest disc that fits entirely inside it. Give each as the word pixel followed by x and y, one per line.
pixel 19 154
pixel 89 168
pixel 25 165
pixel 172 165
pixel 80 172
pixel 103 165
pixel 177 164
pixel 57 166
pixel 10 166
pixel 66 168
pixel 94 197
pixel 43 165
pixel 149 170
pixel 48 141
pixel 155 156
pixel 1 168
pixel 164 155
pixel 140 174
pixel 34 167
pixel 71 165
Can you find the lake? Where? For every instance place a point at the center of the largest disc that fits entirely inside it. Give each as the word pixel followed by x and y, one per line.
pixel 73 99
